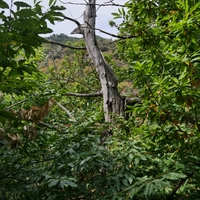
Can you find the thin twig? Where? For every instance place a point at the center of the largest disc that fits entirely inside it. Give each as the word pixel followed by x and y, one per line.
pixel 45 124
pixel 97 94
pixel 83 4
pixel 16 104
pixel 100 30
pixel 73 20
pixel 67 111
pixel 65 45
pixel 116 36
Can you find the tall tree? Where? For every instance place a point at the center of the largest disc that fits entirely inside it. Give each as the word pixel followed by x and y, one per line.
pixel 113 102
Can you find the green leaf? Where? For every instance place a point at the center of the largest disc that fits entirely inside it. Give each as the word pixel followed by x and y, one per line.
pixel 175 80
pixel 148 189
pixel 45 31
pixel 62 184
pixel 21 4
pixel 70 183
pixel 52 2
pixel 135 190
pixel 174 176
pixel 13 72
pixel 7 115
pixel 194 8
pixel 71 165
pixel 26 13
pixel 21 62
pixel 29 69
pixel 2 120
pixel 53 182
pixel 186 5
pixel 136 161
pixel 130 157
pixel 58 8
pixel 123 12
pixel 21 73
pixel 116 15
pixel 85 160
pixel 3 5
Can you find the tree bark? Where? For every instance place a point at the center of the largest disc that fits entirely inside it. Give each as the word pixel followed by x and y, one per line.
pixel 113 103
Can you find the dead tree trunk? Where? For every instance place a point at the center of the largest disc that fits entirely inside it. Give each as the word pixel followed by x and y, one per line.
pixel 113 102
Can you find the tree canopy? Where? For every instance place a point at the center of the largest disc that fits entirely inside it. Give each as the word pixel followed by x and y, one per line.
pixel 93 118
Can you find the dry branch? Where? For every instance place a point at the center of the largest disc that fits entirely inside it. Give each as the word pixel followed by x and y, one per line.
pixel 67 111
pixel 97 94
pixel 65 45
pixel 109 3
pixel 22 101
pixel 116 36
pixel 73 20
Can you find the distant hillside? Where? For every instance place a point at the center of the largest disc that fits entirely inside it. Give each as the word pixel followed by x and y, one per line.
pixel 56 55
pixel 104 44
pixel 56 52
pixel 62 38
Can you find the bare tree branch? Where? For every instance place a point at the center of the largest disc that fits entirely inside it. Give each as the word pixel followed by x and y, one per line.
pixel 73 20
pixel 16 104
pixel 84 48
pixel 100 30
pixel 79 30
pixel 65 45
pixel 116 36
pixel 97 94
pixel 109 3
pixel 67 111
pixel 97 29
pixel 45 124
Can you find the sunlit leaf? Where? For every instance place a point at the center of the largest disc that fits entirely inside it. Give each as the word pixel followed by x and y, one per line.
pixel 173 176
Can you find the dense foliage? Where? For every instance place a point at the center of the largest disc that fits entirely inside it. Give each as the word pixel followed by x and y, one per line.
pixel 163 57
pixel 55 145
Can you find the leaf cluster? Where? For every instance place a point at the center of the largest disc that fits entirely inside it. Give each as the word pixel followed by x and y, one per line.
pixel 20 36
pixel 163 57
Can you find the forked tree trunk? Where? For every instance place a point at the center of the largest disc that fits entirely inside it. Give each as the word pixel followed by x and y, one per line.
pixel 113 102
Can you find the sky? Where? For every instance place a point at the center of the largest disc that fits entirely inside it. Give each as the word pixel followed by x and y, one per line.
pixel 75 9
